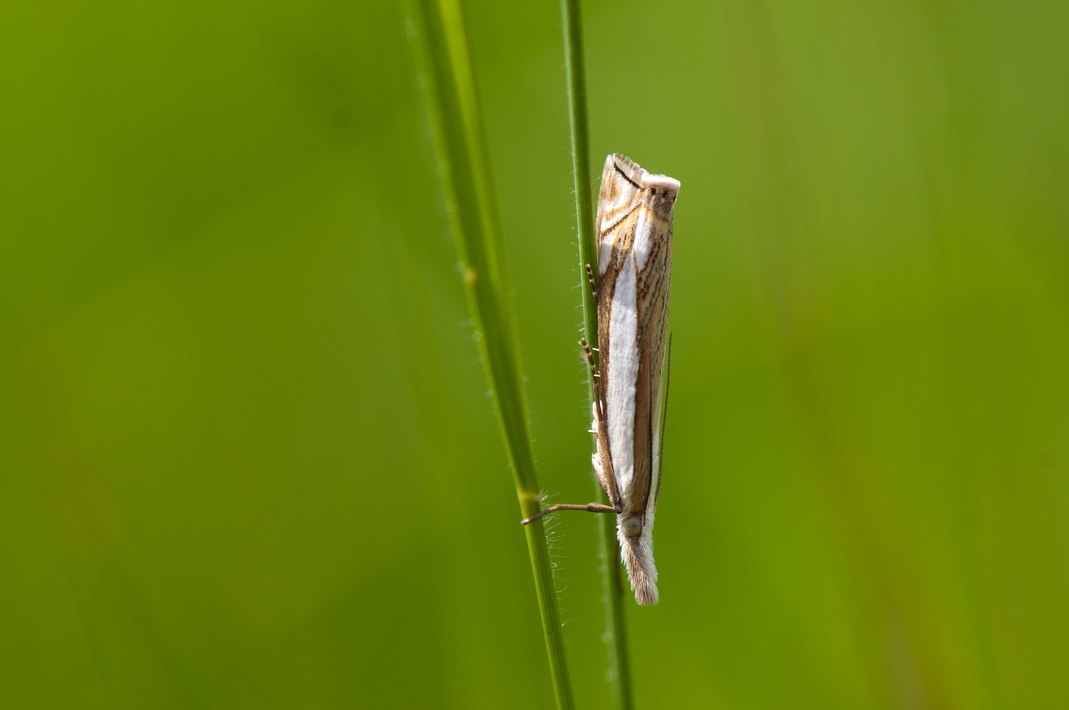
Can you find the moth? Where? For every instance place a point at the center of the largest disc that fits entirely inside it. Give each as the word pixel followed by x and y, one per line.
pixel 634 270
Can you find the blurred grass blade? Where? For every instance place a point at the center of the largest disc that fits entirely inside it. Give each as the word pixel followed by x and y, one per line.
pixel 469 189
pixel 616 628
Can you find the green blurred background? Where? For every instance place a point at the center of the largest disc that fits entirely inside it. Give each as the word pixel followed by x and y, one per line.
pixel 247 458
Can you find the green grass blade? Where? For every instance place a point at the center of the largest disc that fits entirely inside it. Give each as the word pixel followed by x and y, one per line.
pixel 616 628
pixel 579 121
pixel 469 188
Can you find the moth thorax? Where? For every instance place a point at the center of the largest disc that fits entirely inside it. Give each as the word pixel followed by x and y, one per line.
pixel 631 527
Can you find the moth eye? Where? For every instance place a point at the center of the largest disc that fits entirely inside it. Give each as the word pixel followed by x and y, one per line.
pixel 632 527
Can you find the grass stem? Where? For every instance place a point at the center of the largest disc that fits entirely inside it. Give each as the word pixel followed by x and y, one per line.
pixel 466 172
pixel 616 628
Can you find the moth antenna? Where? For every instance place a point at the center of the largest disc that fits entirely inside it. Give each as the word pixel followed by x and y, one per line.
pixel 590 278
pixel 664 414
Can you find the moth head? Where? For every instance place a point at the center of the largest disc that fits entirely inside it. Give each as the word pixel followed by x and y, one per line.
pixel 660 193
pixel 631 527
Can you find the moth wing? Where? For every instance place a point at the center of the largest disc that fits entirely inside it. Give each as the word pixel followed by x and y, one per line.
pixel 652 250
pixel 621 182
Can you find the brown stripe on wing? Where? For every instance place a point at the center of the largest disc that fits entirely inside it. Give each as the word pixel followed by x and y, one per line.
pixel 652 304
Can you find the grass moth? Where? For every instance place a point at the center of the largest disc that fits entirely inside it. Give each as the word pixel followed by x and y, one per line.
pixel 634 269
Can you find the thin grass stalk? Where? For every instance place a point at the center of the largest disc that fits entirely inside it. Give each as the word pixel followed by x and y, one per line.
pixel 466 173
pixel 616 627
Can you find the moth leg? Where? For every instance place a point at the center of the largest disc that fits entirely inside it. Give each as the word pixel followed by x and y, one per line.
pixel 589 507
pixel 590 278
pixel 604 473
pixel 595 377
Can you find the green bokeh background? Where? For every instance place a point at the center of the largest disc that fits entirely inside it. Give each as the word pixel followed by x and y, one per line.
pixel 247 458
